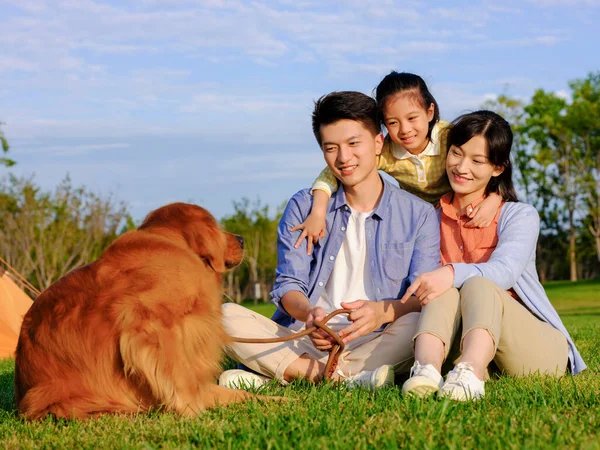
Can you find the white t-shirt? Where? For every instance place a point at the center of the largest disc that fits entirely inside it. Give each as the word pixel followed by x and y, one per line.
pixel 350 278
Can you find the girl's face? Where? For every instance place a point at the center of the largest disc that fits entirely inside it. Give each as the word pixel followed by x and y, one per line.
pixel 469 169
pixel 407 122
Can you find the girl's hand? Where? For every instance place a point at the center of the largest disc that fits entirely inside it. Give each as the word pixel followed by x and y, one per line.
pixel 366 316
pixel 312 228
pixel 321 340
pixel 430 285
pixel 483 214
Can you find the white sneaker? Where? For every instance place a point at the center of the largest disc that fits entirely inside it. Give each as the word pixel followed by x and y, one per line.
pixel 424 380
pixel 241 379
pixel 372 379
pixel 462 384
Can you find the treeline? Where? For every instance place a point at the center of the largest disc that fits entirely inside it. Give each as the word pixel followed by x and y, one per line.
pixel 557 157
pixel 44 235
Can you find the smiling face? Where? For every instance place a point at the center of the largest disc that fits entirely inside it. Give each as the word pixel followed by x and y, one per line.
pixel 469 169
pixel 350 151
pixel 407 122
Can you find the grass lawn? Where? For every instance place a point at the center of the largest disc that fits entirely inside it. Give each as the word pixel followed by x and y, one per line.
pixel 535 412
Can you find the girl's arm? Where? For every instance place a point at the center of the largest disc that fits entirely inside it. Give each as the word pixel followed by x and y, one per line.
pixel 484 213
pixel 313 227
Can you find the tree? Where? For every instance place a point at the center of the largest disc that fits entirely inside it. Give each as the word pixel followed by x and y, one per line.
pixel 5 147
pixel 255 277
pixel 44 235
pixel 584 117
pixel 561 158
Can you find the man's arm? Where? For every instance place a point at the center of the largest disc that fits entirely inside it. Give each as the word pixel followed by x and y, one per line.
pixel 426 253
pixel 296 305
pixel 293 264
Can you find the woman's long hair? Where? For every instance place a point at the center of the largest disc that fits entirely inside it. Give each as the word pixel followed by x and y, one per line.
pixel 499 137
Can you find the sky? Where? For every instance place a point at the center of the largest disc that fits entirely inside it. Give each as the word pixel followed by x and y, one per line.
pixel 155 101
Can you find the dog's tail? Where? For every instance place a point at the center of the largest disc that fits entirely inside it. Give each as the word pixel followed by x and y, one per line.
pixel 43 400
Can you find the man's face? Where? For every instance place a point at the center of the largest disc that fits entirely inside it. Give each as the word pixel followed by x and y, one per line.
pixel 350 151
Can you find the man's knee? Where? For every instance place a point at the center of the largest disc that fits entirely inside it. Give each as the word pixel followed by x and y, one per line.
pixel 232 314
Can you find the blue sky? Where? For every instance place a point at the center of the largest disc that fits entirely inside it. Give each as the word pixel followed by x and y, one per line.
pixel 209 101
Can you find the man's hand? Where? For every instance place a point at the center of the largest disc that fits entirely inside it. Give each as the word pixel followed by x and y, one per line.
pixel 321 340
pixel 430 285
pixel 366 316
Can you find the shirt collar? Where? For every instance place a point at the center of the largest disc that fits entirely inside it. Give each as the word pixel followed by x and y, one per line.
pixel 339 199
pixel 432 148
pixel 448 210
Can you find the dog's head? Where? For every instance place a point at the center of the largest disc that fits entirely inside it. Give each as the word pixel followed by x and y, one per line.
pixel 219 249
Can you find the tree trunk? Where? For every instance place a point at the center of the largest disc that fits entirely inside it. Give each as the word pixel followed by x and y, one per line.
pixel 572 247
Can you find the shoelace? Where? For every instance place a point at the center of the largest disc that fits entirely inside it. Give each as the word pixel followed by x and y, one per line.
pixel 460 374
pixel 416 369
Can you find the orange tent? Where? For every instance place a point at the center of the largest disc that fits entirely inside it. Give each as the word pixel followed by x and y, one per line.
pixel 14 303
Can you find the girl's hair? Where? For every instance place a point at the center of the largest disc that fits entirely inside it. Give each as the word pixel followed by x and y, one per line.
pixel 409 84
pixel 498 135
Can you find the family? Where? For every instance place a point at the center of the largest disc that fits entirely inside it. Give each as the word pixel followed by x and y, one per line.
pixel 439 273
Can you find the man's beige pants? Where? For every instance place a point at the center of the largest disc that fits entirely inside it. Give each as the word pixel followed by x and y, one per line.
pixel 391 346
pixel 524 344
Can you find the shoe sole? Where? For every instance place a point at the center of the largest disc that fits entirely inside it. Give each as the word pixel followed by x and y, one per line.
pixel 420 386
pixel 385 379
pixel 460 396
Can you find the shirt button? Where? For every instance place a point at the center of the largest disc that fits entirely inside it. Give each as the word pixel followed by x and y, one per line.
pixel 368 233
pixel 320 283
pixel 346 208
pixel 378 291
pixel 461 247
pixel 331 258
pixel 343 228
pixel 372 263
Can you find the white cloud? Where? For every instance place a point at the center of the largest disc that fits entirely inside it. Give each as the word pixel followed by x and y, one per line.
pixel 552 3
pixel 71 150
pixel 16 64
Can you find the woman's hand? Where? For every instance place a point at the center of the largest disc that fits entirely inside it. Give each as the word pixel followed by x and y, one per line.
pixel 366 316
pixel 430 285
pixel 313 228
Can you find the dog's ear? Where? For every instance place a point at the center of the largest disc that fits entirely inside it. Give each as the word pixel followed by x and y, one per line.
pixel 199 229
pixel 209 243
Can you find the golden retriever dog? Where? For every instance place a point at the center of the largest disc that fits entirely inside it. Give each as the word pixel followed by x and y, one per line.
pixel 137 330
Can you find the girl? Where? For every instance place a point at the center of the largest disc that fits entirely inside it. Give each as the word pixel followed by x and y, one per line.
pixel 414 153
pixel 506 316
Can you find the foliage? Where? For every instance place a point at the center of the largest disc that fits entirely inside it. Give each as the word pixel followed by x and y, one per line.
pixel 534 412
pixel 44 235
pixel 557 165
pixel 253 221
pixel 4 161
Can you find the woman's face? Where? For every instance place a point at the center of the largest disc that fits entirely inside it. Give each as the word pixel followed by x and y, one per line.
pixel 469 169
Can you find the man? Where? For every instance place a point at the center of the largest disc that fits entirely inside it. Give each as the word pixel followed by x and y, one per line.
pixel 379 240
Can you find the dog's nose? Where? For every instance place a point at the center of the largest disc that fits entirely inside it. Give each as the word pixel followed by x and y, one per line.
pixel 240 240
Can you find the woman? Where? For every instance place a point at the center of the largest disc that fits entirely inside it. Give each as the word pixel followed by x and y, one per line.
pixel 505 314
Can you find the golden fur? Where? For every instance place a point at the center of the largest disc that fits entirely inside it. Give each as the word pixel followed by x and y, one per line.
pixel 138 329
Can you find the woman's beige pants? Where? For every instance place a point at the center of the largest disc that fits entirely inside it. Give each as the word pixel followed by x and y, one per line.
pixel 524 344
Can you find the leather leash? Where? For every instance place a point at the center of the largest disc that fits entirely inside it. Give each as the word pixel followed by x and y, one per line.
pixel 334 353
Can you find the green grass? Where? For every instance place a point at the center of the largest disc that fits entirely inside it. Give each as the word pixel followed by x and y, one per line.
pixel 535 412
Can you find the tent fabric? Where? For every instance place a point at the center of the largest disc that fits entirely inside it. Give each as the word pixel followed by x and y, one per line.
pixel 14 303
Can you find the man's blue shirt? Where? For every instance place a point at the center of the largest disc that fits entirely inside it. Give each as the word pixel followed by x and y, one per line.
pixel 403 241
